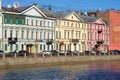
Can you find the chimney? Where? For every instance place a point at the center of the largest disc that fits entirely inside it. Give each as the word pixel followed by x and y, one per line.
pixel 0 5
pixel 36 5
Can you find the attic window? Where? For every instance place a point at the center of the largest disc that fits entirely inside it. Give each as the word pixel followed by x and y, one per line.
pixel 72 17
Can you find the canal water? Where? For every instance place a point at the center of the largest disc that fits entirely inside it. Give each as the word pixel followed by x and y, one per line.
pixel 88 71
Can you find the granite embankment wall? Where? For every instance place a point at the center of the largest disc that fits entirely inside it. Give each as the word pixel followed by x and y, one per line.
pixel 25 61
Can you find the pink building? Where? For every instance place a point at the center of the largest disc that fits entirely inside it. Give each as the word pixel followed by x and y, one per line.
pixel 98 33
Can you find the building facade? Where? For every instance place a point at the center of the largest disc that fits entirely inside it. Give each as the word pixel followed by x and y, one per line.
pixel 113 17
pixel 98 33
pixel 27 28
pixel 71 32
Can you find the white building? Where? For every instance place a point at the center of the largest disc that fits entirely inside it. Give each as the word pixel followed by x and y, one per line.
pixel 26 24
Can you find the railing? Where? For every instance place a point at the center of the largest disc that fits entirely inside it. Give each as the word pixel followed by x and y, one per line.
pixel 74 40
pixel 3 55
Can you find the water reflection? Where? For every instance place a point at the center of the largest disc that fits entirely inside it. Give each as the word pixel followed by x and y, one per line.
pixel 101 71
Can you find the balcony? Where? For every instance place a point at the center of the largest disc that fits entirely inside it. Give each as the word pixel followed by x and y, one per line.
pixel 100 31
pixel 100 42
pixel 49 41
pixel 74 40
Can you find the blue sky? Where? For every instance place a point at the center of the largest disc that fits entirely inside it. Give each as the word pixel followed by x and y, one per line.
pixel 70 4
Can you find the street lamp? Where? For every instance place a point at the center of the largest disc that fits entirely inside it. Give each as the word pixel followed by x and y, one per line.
pixel 36 47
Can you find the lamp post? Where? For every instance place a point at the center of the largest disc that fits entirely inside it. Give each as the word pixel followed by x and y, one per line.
pixel 36 48
pixel 2 31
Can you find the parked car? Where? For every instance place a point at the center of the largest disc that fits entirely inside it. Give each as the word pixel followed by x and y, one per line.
pixel 114 51
pixel 22 52
pixel 62 52
pixel 10 54
pixel 76 52
pixel 69 52
pixel 88 52
pixel 103 51
pixel 54 52
pixel 46 52
pixel 1 52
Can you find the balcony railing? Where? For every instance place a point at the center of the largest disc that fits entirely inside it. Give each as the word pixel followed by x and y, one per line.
pixel 100 31
pixel 100 41
pixel 74 40
pixel 49 41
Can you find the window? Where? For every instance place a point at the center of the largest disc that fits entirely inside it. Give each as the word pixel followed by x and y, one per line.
pixel 76 25
pixel 64 34
pixel 88 35
pixel 48 35
pixel 5 46
pixel 56 34
pixel 76 34
pixel 16 33
pixel 82 25
pixel 16 46
pixel 41 23
pixel 11 33
pixel 44 35
pixel 44 47
pixel 79 35
pixel 59 34
pixel 36 23
pixel 82 35
pixel 79 25
pixel 40 35
pixel 52 24
pixel 44 23
pixel 36 35
pixel 16 20
pixel 27 34
pixel 72 34
pixel 65 46
pixel 64 23
pixel 68 24
pixel 5 21
pixel 11 47
pixel 80 47
pixel 22 21
pixel 11 20
pixel 31 22
pixel 51 35
pixel 40 46
pixel 68 35
pixel 32 35
pixel 71 24
pixel 22 35
pixel 48 24
pixel 27 21
pixel 5 33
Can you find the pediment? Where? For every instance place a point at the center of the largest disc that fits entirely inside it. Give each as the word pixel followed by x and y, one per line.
pixel 33 12
pixel 99 21
pixel 73 16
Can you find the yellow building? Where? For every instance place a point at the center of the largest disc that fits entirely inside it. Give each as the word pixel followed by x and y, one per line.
pixel 71 32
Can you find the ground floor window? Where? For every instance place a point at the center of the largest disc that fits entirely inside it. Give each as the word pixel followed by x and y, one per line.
pixel 5 46
pixel 80 47
pixel 40 46
pixel 52 47
pixel 11 48
pixel 65 46
pixel 44 47
pixel 16 46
